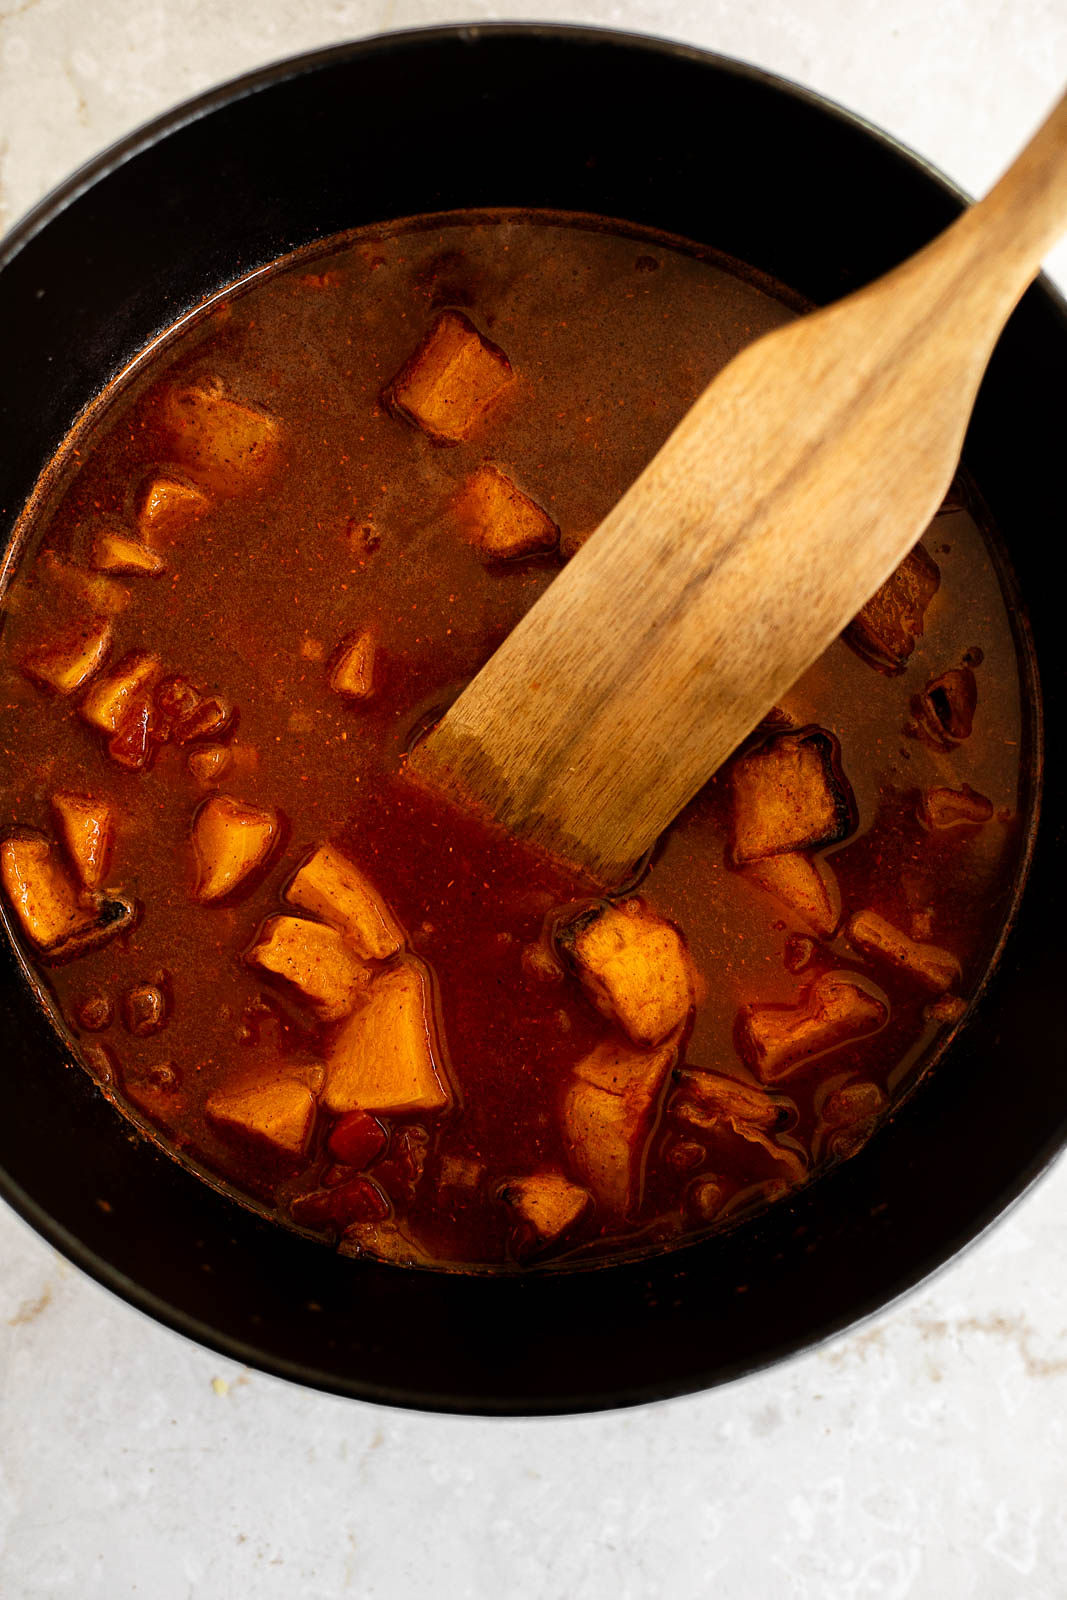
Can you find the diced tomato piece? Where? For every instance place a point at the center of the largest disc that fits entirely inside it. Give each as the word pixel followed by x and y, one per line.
pixel 357 1139
pixel 131 744
pixel 359 1200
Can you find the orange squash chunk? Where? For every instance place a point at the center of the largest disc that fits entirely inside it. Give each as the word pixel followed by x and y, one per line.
pixel 885 631
pixel 315 959
pixel 805 886
pixel 933 968
pixel 451 379
pixel 231 841
pixel 87 829
pixel 352 670
pixel 94 593
pixel 709 1098
pixel 387 1241
pixel 41 892
pixel 458 1172
pixel 226 445
pixel 946 1009
pixel 209 763
pixel 634 967
pixel 835 1011
pixel 608 1111
pixel 853 1102
pixel 168 506
pixel 955 808
pixel 720 1105
pixel 548 1201
pixel 499 520
pixel 66 664
pixel 280 1113
pixel 117 552
pixel 112 698
pixel 386 1057
pixel 848 1118
pixel 790 794
pixel 332 887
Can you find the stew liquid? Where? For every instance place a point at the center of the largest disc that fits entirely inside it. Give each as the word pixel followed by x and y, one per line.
pixel 273 552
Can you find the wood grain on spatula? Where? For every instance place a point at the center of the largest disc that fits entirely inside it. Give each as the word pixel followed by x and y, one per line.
pixel 792 489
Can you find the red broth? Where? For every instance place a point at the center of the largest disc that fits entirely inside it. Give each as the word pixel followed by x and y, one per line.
pixel 281 543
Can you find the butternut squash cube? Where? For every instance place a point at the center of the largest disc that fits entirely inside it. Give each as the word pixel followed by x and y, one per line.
pixel 547 1201
pixel 225 445
pixel 113 697
pixel 332 887
pixel 954 808
pixel 144 1009
pixel 451 379
pixel 460 1172
pixel 231 841
pixel 66 664
pixel 386 1241
pixel 94 592
pixel 853 1102
pixel 41 892
pixel 836 1010
pixel 848 1118
pixel 117 552
pixel 385 1057
pixel 805 886
pixel 709 1099
pixel 931 967
pixel 315 959
pixel 608 1111
pixel 280 1113
pixel 87 829
pixel 499 520
pixel 168 506
pixel 723 1106
pixel 352 669
pixel 707 1198
pixel 634 967
pixel 946 1009
pixel 209 763
pixel 885 631
pixel 790 794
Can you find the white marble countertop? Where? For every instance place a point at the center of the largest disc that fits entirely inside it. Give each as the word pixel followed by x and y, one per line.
pixel 920 1457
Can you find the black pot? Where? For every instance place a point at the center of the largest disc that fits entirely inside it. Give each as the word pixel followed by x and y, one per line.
pixel 659 134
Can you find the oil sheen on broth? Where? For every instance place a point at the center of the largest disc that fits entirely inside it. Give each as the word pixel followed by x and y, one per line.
pixel 281 543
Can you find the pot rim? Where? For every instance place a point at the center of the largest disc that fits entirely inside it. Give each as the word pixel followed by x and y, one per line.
pixel 149 133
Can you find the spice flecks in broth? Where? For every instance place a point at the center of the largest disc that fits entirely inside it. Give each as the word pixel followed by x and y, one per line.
pixel 286 539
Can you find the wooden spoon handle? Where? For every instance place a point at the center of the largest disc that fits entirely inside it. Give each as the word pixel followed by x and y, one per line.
pixel 971 276
pixel 787 494
pixel 1024 213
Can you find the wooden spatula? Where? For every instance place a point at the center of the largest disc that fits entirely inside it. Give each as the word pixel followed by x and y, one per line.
pixel 792 489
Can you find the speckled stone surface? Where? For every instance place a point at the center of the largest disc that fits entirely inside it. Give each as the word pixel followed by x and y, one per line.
pixel 923 1456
